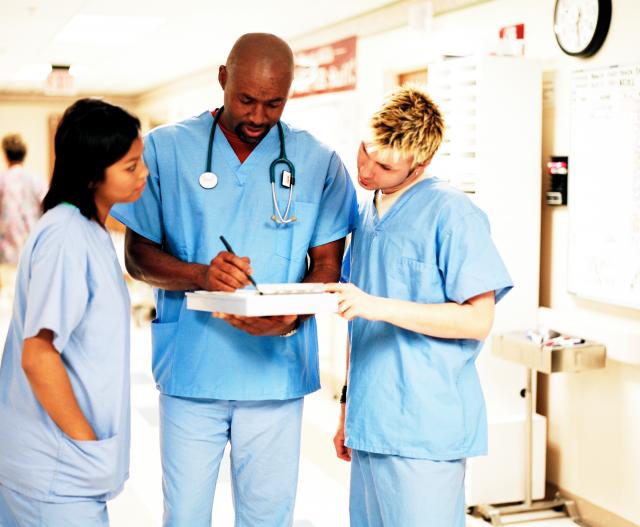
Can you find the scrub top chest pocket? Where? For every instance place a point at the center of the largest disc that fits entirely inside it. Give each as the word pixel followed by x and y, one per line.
pixel 413 274
pixel 293 239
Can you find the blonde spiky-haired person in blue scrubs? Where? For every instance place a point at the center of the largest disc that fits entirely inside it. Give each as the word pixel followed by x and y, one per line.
pixel 424 279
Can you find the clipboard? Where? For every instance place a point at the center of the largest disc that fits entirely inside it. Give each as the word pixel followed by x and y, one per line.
pixel 276 299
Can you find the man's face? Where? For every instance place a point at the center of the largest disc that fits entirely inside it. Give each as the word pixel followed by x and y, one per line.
pixel 254 98
pixel 380 170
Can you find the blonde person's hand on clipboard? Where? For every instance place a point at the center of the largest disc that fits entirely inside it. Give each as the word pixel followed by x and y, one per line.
pixel 354 302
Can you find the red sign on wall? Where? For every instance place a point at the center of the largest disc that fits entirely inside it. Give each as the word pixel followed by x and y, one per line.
pixel 325 69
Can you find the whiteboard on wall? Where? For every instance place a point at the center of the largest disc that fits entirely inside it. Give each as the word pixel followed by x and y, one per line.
pixel 604 185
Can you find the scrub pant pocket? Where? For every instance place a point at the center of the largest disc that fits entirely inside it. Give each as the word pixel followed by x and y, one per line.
pixel 18 510
pixel 392 491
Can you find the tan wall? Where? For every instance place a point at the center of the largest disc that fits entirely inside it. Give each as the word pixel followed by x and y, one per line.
pixel 31 120
pixel 178 100
pixel 29 116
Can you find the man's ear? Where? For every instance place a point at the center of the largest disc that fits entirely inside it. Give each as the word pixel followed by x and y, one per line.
pixel 222 76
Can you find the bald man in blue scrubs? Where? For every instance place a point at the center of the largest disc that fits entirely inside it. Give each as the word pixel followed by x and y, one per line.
pixel 235 379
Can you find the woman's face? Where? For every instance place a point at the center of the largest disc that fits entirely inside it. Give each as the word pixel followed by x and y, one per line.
pixel 125 180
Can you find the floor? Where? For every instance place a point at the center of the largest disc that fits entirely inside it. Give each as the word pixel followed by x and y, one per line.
pixel 322 499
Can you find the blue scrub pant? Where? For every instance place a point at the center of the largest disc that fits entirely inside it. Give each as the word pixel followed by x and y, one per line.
pixel 265 452
pixel 18 510
pixel 393 491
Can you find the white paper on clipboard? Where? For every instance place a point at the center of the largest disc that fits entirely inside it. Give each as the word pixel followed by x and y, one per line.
pixel 278 299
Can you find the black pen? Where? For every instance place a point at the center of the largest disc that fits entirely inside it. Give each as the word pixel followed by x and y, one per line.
pixel 228 247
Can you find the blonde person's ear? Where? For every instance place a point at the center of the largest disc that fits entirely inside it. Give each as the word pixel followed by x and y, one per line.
pixel 423 166
pixel 419 170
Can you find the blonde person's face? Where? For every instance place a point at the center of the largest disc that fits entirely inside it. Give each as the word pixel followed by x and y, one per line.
pixel 381 170
pixel 125 180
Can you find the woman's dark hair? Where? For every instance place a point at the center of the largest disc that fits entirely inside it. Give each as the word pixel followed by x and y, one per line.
pixel 91 136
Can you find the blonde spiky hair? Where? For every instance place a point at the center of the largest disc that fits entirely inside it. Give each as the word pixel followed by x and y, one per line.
pixel 408 124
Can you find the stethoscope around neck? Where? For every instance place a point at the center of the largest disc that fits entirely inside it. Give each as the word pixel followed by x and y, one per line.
pixel 209 180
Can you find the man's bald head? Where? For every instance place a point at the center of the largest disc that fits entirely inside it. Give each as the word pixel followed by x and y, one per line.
pixel 261 51
pixel 256 80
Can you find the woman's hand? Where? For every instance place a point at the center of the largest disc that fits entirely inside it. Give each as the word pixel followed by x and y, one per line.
pixel 354 302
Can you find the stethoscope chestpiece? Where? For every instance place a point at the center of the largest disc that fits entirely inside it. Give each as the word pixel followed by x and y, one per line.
pixel 208 180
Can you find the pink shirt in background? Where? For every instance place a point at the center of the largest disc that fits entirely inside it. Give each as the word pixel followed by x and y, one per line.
pixel 20 196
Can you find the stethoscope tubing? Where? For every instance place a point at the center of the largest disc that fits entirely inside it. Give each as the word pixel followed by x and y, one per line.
pixel 278 217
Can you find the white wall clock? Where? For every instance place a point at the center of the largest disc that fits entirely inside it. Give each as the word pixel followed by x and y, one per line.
pixel 581 26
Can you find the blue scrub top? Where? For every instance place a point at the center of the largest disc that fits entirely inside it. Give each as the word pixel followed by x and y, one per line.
pixel 195 355
pixel 409 394
pixel 70 282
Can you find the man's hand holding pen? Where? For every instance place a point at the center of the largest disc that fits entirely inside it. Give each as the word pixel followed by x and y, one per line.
pixel 227 272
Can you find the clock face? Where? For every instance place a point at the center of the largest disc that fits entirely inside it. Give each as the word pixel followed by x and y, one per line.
pixel 581 25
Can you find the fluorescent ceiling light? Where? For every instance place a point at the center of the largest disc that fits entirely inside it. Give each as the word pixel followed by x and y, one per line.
pixel 33 72
pixel 107 29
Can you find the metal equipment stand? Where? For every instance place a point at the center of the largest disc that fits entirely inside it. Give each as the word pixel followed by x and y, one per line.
pixel 536 358
pixel 562 506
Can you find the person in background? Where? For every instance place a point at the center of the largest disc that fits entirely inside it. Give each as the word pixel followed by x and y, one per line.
pixel 237 380
pixel 424 278
pixel 64 376
pixel 20 197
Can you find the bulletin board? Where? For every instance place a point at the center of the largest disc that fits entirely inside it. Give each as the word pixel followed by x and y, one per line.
pixel 604 185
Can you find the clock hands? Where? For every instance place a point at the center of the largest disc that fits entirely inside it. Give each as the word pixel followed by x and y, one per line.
pixel 581 26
